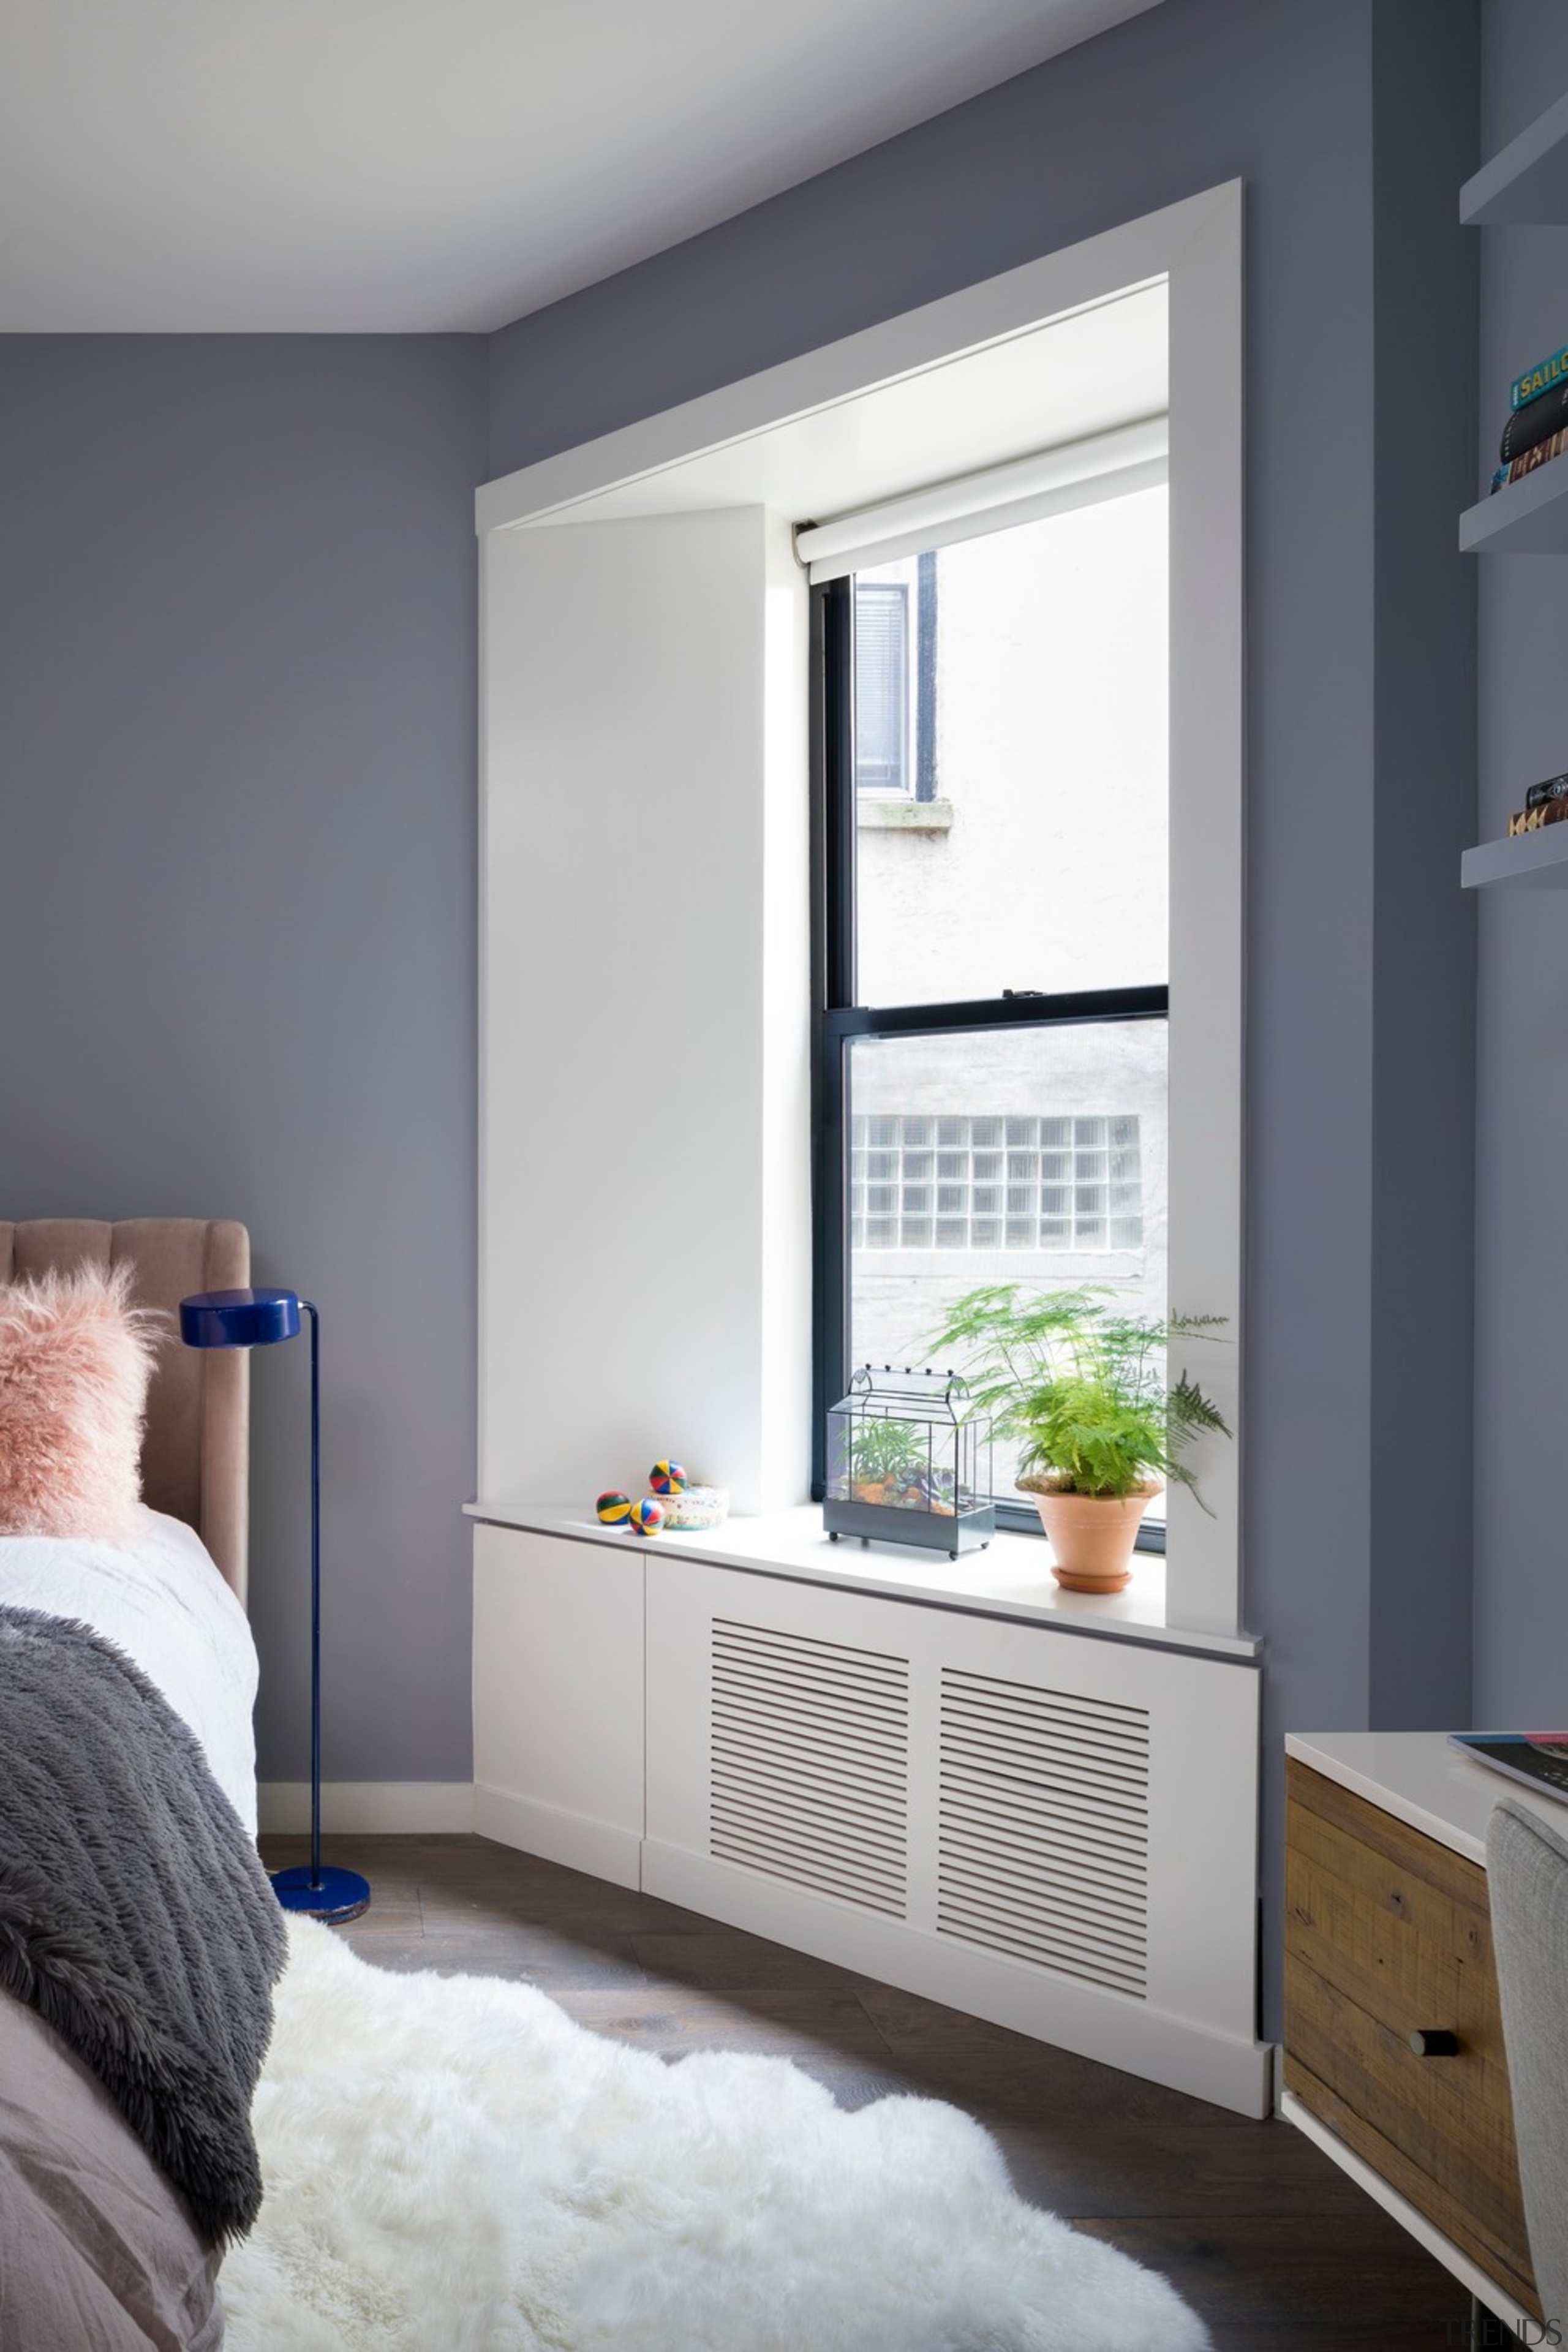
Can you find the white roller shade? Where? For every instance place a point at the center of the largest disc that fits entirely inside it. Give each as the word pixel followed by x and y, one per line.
pixel 1078 474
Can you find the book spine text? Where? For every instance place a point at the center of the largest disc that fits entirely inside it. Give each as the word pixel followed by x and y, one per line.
pixel 1539 379
pixel 1541 454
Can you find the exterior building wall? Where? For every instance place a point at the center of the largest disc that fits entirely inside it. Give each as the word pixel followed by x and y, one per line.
pixel 1052 748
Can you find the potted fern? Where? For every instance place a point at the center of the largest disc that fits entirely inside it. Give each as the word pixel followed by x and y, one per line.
pixel 1082 1385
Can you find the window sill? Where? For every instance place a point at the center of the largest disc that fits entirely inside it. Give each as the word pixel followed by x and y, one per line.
pixel 1011 1579
pixel 892 812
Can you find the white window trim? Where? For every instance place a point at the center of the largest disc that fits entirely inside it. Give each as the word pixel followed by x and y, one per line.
pixel 740 448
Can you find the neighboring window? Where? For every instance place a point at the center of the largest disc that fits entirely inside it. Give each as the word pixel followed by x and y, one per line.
pixel 895 679
pixel 882 687
pixel 1026 1183
pixel 992 1079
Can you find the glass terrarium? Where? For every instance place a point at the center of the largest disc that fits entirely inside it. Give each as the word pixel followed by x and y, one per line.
pixel 907 1464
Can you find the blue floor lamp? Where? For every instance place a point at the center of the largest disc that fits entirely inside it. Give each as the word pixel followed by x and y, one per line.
pixel 255 1319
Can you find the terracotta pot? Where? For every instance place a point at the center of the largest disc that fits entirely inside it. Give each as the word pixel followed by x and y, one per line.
pixel 1091 1536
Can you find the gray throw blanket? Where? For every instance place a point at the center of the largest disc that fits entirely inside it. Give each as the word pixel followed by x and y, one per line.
pixel 135 1917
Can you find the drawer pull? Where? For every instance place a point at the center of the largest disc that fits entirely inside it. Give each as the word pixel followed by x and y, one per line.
pixel 1433 2041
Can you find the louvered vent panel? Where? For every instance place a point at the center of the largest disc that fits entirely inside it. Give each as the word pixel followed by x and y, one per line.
pixel 1044 1827
pixel 808 1776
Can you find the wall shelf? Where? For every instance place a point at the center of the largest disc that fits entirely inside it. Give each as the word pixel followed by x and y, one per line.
pixel 1526 518
pixel 1525 185
pixel 1529 861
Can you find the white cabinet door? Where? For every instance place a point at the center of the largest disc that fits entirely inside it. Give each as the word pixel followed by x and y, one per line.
pixel 557 1699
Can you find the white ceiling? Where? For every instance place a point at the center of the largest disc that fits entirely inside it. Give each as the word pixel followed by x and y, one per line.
pixel 398 165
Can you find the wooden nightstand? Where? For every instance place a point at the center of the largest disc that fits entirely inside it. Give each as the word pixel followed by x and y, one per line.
pixel 1393 2052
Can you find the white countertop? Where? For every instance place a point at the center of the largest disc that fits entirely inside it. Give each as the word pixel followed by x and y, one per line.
pixel 1419 1778
pixel 1011 1578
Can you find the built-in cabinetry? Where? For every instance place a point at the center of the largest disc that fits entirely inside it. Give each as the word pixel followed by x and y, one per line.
pixel 1049 1828
pixel 1394 2049
pixel 979 1793
pixel 1525 185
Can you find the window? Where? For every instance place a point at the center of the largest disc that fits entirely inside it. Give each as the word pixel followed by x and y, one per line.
pixel 991 1065
pixel 1022 1184
pixel 895 679
pixel 882 687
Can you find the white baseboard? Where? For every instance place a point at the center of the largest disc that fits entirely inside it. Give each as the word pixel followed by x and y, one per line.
pixel 600 1848
pixel 372 1808
pixel 1233 2073
pixel 1116 2031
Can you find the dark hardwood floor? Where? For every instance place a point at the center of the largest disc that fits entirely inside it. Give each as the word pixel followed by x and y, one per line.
pixel 1266 2238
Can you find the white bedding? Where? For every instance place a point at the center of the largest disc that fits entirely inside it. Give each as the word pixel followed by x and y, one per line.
pixel 161 1601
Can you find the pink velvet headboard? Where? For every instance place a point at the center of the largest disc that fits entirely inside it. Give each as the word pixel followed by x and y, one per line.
pixel 195 1454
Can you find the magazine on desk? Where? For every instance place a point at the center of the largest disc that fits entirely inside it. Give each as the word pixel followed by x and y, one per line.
pixel 1539 1758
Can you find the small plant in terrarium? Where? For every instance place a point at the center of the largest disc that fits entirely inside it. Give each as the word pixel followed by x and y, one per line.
pixel 887 1465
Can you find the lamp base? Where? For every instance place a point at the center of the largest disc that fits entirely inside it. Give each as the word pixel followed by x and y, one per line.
pixel 333 1896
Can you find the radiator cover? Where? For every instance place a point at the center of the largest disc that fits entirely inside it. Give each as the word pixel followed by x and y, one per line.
pixel 1055 1831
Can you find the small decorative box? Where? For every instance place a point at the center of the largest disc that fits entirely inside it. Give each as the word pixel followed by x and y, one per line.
pixel 697 1506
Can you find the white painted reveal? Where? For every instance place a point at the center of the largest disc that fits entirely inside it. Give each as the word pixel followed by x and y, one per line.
pixel 645 1220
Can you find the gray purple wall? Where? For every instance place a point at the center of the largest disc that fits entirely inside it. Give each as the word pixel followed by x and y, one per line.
pixel 1422 814
pixel 237 924
pixel 1521 1256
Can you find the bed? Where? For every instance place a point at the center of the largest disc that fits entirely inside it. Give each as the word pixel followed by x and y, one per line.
pixel 98 2251
pixel 394 2097
pixel 195 1454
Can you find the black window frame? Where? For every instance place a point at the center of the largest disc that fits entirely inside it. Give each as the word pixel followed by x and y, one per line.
pixel 837 1020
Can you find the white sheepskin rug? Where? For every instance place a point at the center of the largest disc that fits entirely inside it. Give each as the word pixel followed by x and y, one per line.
pixel 451 2165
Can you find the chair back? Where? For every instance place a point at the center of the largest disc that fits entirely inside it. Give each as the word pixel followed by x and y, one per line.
pixel 1527 1878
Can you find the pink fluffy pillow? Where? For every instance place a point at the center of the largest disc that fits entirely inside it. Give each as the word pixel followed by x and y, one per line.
pixel 75 1357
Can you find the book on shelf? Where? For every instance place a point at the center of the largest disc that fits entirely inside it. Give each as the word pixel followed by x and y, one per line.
pixel 1531 820
pixel 1542 454
pixel 1550 789
pixel 1552 369
pixel 1536 422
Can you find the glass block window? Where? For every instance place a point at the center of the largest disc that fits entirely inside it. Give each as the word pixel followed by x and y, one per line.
pixel 921 1181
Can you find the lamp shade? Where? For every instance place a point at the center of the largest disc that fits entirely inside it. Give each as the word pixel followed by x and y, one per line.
pixel 238 1319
